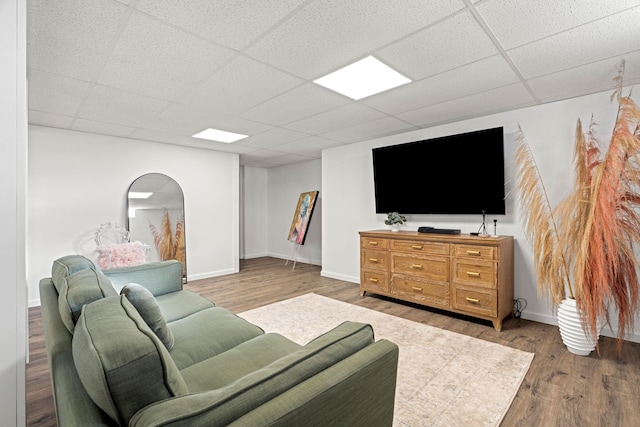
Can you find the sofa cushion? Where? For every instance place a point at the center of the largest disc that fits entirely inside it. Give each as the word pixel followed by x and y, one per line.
pixel 146 304
pixel 122 364
pixel 66 266
pixel 225 368
pixel 180 304
pixel 78 289
pixel 208 333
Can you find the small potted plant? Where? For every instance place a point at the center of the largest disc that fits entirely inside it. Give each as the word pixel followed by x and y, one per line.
pixel 395 220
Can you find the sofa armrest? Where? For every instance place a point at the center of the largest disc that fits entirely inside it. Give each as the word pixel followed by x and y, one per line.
pixel 160 277
pixel 72 403
pixel 356 391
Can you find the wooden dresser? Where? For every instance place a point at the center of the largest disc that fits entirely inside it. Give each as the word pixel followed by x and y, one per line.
pixel 461 273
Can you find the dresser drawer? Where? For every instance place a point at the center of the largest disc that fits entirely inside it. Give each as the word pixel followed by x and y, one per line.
pixel 431 248
pixel 474 251
pixel 426 267
pixel 377 260
pixel 421 291
pixel 374 281
pixel 476 273
pixel 374 243
pixel 478 301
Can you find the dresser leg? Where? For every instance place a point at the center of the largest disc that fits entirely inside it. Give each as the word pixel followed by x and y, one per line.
pixel 362 291
pixel 497 325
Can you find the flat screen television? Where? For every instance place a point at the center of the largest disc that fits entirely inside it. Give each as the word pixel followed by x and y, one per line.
pixel 456 174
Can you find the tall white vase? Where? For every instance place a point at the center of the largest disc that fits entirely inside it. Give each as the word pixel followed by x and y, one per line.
pixel 571 330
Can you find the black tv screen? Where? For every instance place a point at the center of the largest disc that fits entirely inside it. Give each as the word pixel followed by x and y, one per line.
pixel 456 174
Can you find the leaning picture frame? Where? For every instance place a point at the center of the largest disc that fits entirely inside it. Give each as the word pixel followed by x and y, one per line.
pixel 302 217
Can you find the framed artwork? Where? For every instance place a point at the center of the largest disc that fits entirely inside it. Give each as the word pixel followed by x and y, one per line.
pixel 302 217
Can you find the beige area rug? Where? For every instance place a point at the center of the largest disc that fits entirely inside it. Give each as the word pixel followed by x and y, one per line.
pixel 444 378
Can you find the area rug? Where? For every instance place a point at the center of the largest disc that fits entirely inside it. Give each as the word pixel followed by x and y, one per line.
pixel 444 378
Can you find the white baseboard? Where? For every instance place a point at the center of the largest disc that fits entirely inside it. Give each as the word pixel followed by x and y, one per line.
pixel 34 303
pixel 298 259
pixel 251 256
pixel 340 276
pixel 210 274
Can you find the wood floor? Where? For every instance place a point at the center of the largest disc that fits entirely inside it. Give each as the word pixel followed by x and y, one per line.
pixel 560 389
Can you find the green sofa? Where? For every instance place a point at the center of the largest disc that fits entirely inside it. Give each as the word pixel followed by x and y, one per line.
pixel 130 346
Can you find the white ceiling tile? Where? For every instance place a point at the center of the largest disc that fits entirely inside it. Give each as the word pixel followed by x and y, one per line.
pixel 241 84
pixel 453 42
pixel 301 102
pixel 373 129
pixel 279 160
pixel 152 135
pixel 205 144
pixel 271 138
pixel 49 119
pixel 327 35
pixel 517 22
pixel 585 79
pixel 492 101
pixel 341 117
pixel 150 54
pixel 485 74
pixel 69 37
pixel 187 120
pixel 54 93
pixel 608 37
pixel 311 146
pixel 110 105
pixel 101 128
pixel 214 145
pixel 231 23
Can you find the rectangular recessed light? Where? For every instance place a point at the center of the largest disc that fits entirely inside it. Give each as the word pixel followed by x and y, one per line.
pixel 219 135
pixel 363 78
pixel 139 195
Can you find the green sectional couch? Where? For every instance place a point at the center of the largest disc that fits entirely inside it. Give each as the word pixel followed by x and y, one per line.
pixel 130 346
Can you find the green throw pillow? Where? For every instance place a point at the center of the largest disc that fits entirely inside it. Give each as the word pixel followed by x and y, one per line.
pixel 77 290
pixel 68 265
pixel 145 303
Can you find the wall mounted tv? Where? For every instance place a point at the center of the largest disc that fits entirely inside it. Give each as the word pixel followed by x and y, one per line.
pixel 456 174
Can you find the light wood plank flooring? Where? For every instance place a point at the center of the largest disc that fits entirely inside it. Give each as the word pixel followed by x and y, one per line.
pixel 560 389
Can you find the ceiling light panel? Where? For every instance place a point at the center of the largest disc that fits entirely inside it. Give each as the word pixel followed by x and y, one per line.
pixel 219 135
pixel 363 78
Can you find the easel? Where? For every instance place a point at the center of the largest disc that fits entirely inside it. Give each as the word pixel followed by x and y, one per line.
pixel 292 257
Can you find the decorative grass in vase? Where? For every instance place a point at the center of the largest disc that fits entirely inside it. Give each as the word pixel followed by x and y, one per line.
pixel 584 248
pixel 168 245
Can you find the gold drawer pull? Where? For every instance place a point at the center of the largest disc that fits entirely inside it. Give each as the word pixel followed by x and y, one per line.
pixel 372 280
pixel 416 266
pixel 373 259
pixel 373 243
pixel 473 300
pixel 417 289
pixel 473 274
pixel 471 252
pixel 416 246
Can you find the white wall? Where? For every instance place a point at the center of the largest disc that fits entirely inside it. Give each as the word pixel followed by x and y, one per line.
pixel 285 185
pixel 348 196
pixel 254 222
pixel 13 164
pixel 78 181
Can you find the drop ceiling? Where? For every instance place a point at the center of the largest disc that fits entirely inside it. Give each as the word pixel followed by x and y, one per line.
pixel 161 70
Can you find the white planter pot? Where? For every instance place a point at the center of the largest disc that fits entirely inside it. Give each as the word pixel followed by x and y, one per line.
pixel 571 330
pixel 395 227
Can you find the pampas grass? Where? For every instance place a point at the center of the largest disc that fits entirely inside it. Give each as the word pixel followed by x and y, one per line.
pixel 585 247
pixel 168 244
